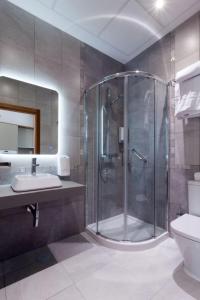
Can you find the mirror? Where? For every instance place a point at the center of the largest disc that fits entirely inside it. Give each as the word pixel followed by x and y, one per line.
pixel 28 118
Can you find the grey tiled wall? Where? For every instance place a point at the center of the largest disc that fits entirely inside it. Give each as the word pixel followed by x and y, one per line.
pixel 175 51
pixel 36 52
pixel 33 51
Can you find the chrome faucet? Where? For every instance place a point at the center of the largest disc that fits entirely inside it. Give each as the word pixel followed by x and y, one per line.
pixel 34 165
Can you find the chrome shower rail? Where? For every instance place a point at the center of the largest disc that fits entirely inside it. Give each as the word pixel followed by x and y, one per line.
pixel 135 73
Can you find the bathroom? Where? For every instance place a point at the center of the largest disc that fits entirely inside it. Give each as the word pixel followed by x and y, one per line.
pixel 95 183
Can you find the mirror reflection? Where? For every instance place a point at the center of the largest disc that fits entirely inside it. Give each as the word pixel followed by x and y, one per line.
pixel 28 118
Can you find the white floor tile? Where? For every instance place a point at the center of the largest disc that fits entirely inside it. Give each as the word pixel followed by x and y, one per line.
pixel 40 286
pixel 3 294
pixel 160 260
pixel 69 247
pixel 87 262
pixel 173 291
pixel 70 293
pixel 114 283
pixel 140 273
pixel 98 273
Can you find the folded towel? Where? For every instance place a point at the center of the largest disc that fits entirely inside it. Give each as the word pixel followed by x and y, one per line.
pixel 187 92
pixel 186 105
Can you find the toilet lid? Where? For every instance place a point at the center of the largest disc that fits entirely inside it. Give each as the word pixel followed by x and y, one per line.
pixel 187 226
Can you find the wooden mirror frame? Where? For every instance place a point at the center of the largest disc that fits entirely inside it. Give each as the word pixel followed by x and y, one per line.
pixel 31 111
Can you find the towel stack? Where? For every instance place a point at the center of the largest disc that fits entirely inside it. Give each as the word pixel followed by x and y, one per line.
pixel 188 92
pixel 188 105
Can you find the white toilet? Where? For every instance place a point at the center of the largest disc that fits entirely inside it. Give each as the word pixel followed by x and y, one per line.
pixel 186 231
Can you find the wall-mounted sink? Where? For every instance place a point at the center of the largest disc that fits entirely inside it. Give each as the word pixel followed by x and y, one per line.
pixel 22 183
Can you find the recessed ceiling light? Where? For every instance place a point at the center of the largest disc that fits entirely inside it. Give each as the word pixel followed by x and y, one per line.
pixel 159 4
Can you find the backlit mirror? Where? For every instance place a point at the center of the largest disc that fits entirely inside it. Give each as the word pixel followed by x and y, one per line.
pixel 28 118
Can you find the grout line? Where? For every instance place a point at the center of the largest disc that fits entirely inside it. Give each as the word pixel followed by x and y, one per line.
pixel 6 298
pixel 71 285
pixel 80 292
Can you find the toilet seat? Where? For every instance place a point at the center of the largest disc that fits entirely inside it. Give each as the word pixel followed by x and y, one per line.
pixel 187 226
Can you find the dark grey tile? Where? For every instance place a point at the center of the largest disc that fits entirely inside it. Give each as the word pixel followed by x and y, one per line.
pixel 186 125
pixel 48 41
pixel 48 72
pixel 187 38
pixel 160 58
pixel 73 117
pixel 71 83
pixel 16 26
pixel 72 148
pixel 174 211
pixel 186 61
pixel 9 89
pixel 187 148
pixel 91 57
pixel 70 50
pixel 16 61
pixel 27 92
pixel 178 188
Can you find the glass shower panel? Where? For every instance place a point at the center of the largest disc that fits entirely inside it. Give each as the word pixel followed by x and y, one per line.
pixel 126 149
pixel 110 202
pixel 141 158
pixel 91 155
pixel 161 154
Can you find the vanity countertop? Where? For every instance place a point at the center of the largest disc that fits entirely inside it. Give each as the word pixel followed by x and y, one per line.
pixel 11 199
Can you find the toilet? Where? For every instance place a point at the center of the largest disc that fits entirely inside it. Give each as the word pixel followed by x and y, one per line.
pixel 186 231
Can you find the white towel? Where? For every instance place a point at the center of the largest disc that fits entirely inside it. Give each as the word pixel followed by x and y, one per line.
pixel 187 92
pixel 187 106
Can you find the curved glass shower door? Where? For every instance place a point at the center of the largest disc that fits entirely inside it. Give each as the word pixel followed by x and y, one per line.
pixel 111 180
pixel 141 159
pixel 126 157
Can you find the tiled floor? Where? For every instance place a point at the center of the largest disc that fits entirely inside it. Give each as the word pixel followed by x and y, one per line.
pixel 86 271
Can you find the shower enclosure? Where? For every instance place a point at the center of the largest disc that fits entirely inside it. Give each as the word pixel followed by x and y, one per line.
pixel 126 157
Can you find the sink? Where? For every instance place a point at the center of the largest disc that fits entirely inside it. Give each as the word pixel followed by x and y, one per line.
pixel 22 183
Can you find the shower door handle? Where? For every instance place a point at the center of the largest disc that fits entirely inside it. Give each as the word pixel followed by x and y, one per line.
pixel 139 155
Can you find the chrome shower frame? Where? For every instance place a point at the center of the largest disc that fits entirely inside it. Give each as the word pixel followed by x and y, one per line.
pixel 125 75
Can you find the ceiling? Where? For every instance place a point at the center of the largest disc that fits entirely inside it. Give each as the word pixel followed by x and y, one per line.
pixel 119 28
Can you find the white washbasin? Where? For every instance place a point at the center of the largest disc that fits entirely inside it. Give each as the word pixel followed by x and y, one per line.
pixel 22 183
